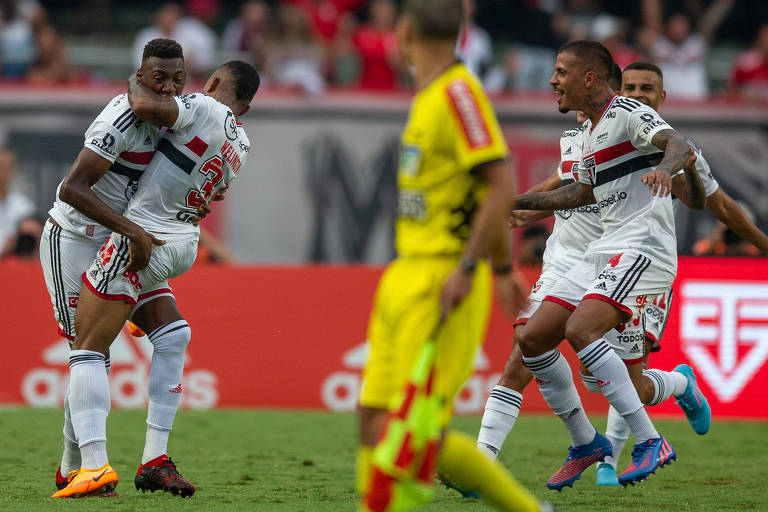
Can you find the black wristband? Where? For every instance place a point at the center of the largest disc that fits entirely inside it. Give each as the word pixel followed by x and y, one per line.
pixel 502 270
pixel 468 265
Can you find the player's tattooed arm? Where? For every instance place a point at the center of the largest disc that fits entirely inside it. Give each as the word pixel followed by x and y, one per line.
pixel 677 152
pixel 688 186
pixel 525 218
pixel 150 106
pixel 570 196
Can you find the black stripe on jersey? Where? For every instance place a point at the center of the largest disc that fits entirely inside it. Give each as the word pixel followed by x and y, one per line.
pixel 635 164
pixel 125 124
pixel 121 118
pixel 126 171
pixel 627 104
pixel 178 158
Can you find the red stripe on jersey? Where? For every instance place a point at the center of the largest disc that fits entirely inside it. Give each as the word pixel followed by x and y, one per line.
pixel 142 158
pixel 468 111
pixel 592 128
pixel 568 166
pixel 197 146
pixel 613 152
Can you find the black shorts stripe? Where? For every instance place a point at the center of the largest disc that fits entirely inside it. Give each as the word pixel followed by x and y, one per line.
pixel 595 354
pixel 617 290
pixel 58 285
pixel 118 260
pixel 638 163
pixel 178 158
pixel 124 170
pixel 630 280
pixel 639 272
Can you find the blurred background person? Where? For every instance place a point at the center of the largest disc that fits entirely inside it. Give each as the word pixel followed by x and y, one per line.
pixel 749 75
pixel 246 33
pixel 377 45
pixel 17 41
pixel 52 64
pixel 14 206
pixel 612 33
pixel 474 46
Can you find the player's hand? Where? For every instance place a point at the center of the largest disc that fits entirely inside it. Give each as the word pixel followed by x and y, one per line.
pixel 659 183
pixel 521 218
pixel 221 194
pixel 690 164
pixel 456 286
pixel 201 213
pixel 512 290
pixel 140 250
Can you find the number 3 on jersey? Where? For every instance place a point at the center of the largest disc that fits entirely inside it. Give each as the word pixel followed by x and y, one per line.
pixel 212 170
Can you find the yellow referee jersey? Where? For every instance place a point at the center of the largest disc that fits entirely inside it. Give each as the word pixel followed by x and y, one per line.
pixel 451 130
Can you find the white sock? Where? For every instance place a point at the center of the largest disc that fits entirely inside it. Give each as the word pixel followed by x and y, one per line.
pixel 89 405
pixel 501 411
pixel 70 457
pixel 617 431
pixel 665 384
pixel 614 382
pixel 165 375
pixel 555 380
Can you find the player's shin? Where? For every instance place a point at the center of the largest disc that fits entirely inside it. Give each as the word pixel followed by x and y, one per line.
pixel 602 362
pixel 165 376
pixel 665 384
pixel 617 432
pixel 70 457
pixel 555 380
pixel 89 405
pixel 501 411
pixel 461 462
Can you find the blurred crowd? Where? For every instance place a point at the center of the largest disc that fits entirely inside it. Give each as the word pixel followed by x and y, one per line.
pixel 310 45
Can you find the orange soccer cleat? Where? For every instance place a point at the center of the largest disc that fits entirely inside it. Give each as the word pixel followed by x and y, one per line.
pixel 89 482
pixel 135 330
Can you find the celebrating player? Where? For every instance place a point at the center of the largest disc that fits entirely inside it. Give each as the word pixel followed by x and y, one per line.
pixel 629 154
pixel 454 188
pixel 88 206
pixel 195 160
pixel 644 82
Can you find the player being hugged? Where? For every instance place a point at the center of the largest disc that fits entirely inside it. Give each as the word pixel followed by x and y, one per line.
pixel 629 155
pixel 194 162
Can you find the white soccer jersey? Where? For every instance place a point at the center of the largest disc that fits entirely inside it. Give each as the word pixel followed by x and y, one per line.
pixel 617 153
pixel 126 141
pixel 195 159
pixel 705 174
pixel 574 229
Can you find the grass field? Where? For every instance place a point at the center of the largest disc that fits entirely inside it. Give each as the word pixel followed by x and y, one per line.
pixel 303 461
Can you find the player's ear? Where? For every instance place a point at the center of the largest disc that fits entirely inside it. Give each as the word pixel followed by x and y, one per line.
pixel 246 109
pixel 663 96
pixel 212 85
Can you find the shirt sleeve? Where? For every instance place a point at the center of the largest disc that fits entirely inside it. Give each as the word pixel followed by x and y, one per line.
pixel 105 136
pixel 705 174
pixel 643 123
pixel 191 107
pixel 479 139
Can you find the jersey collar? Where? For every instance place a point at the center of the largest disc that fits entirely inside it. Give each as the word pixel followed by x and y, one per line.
pixel 613 98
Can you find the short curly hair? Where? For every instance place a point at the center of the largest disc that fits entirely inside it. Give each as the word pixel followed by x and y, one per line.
pixel 162 49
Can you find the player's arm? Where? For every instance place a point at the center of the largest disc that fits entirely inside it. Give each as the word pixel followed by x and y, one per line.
pixel 570 196
pixel 732 215
pixel 150 106
pixel 688 189
pixel 524 218
pixel 76 191
pixel 677 155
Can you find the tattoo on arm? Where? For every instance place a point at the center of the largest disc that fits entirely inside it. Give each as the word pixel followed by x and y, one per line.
pixel 676 150
pixel 571 196
pixel 697 197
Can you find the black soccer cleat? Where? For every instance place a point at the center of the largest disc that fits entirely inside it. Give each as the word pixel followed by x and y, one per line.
pixel 160 474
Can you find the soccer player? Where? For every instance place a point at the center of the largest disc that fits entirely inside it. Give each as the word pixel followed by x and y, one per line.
pixel 88 207
pixel 644 82
pixel 629 155
pixel 201 153
pixel 455 186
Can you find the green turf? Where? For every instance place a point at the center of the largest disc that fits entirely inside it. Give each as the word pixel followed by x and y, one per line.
pixel 303 461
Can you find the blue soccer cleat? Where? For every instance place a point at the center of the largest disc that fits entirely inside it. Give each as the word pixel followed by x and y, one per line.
pixel 606 475
pixel 693 402
pixel 579 459
pixel 647 457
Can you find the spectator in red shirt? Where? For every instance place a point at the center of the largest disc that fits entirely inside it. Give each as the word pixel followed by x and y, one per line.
pixel 377 43
pixel 749 77
pixel 325 14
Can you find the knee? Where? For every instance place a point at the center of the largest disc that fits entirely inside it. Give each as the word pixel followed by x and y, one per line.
pixel 526 341
pixel 516 375
pixel 578 334
pixel 172 338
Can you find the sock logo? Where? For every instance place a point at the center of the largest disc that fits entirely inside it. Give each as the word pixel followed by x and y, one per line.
pixel 177 389
pixel 542 382
pixel 602 383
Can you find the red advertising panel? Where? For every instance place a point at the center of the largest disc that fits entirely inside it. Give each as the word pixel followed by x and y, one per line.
pixel 295 337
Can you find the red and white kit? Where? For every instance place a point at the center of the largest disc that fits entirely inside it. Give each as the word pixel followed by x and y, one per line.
pixel 196 158
pixel 68 249
pixel 636 256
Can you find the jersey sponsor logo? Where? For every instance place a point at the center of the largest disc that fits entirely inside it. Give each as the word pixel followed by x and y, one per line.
pixel 611 199
pixel 230 126
pixel 601 286
pixel 611 115
pixel 133 279
pixel 724 331
pixel 106 143
pixel 570 133
pixel 651 122
pixel 468 111
pixel 589 166
pixel 635 349
pixel 72 299
pixel 591 209
pixel 230 155
pixel 410 160
pixel 185 101
pixel 412 204
pixel 568 151
pixel 602 138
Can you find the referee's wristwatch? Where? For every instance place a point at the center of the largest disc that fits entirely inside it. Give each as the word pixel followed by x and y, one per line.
pixel 468 265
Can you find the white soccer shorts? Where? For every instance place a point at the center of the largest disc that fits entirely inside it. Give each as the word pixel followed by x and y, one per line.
pixel 108 279
pixel 549 276
pixel 656 314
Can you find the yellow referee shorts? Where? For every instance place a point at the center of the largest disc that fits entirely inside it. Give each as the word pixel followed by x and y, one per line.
pixel 405 312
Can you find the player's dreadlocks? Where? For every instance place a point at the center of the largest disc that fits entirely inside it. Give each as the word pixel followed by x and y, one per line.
pixel 246 79
pixel 163 49
pixel 435 19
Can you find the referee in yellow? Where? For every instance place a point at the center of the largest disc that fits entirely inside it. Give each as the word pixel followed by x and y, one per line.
pixel 455 189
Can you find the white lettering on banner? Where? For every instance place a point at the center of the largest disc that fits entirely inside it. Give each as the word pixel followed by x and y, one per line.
pixel 130 358
pixel 340 390
pixel 730 317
